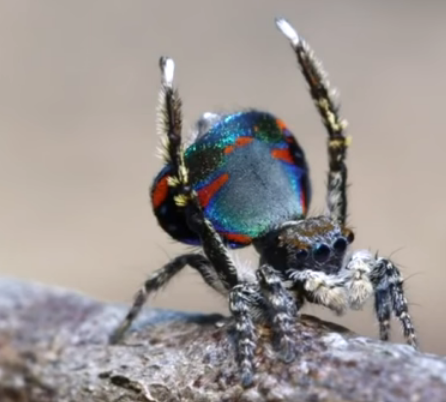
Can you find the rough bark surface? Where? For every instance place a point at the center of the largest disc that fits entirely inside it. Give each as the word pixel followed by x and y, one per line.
pixel 53 347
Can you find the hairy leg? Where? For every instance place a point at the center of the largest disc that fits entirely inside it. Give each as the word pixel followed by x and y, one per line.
pixel 389 294
pixel 160 278
pixel 328 108
pixel 243 300
pixel 283 310
pixel 170 126
pixel 372 275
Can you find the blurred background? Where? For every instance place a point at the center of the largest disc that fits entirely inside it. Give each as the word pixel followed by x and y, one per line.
pixel 78 89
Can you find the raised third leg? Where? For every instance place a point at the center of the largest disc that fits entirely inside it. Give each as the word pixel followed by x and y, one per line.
pixel 171 126
pixel 328 108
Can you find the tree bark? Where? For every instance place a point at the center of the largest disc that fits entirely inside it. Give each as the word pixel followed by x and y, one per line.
pixel 53 347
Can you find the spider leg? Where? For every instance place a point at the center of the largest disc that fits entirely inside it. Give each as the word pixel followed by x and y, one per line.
pixel 169 121
pixel 368 275
pixel 160 278
pixel 328 108
pixel 389 294
pixel 284 310
pixel 171 124
pixel 383 309
pixel 243 300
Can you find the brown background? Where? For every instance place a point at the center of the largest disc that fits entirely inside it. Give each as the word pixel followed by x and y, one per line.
pixel 78 90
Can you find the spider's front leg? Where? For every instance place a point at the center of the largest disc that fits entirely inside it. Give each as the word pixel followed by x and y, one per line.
pixel 325 101
pixel 381 277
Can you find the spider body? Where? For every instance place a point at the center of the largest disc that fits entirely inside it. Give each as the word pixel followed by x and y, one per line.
pixel 233 157
pixel 244 179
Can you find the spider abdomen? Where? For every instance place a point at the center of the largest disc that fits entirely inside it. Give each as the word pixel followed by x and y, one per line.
pixel 250 175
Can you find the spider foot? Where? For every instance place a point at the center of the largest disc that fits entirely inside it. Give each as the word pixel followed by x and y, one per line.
pixel 246 374
pixel 286 349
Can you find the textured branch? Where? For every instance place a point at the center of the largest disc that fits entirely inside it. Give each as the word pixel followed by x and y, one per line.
pixel 53 347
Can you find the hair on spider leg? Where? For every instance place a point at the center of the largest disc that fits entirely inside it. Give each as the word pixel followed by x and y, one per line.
pixel 400 265
pixel 413 275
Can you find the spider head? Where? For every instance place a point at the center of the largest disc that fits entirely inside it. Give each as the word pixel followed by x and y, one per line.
pixel 316 243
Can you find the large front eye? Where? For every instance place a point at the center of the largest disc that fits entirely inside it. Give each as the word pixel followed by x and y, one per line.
pixel 321 252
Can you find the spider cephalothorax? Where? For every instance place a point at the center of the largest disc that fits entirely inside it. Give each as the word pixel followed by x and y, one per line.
pixel 243 179
pixel 316 243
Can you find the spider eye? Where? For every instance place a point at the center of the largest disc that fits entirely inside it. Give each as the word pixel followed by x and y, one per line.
pixel 350 236
pixel 301 255
pixel 321 252
pixel 340 245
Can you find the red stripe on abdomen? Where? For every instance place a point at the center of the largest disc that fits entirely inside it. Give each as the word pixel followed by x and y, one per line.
pixel 283 155
pixel 160 192
pixel 205 194
pixel 239 142
pixel 237 238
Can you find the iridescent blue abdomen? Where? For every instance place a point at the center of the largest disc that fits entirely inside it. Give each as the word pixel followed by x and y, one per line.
pixel 250 175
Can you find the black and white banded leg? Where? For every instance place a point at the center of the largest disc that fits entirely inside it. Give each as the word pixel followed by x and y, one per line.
pixel 328 108
pixel 368 275
pixel 243 301
pixel 283 311
pixel 389 294
pixel 161 278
